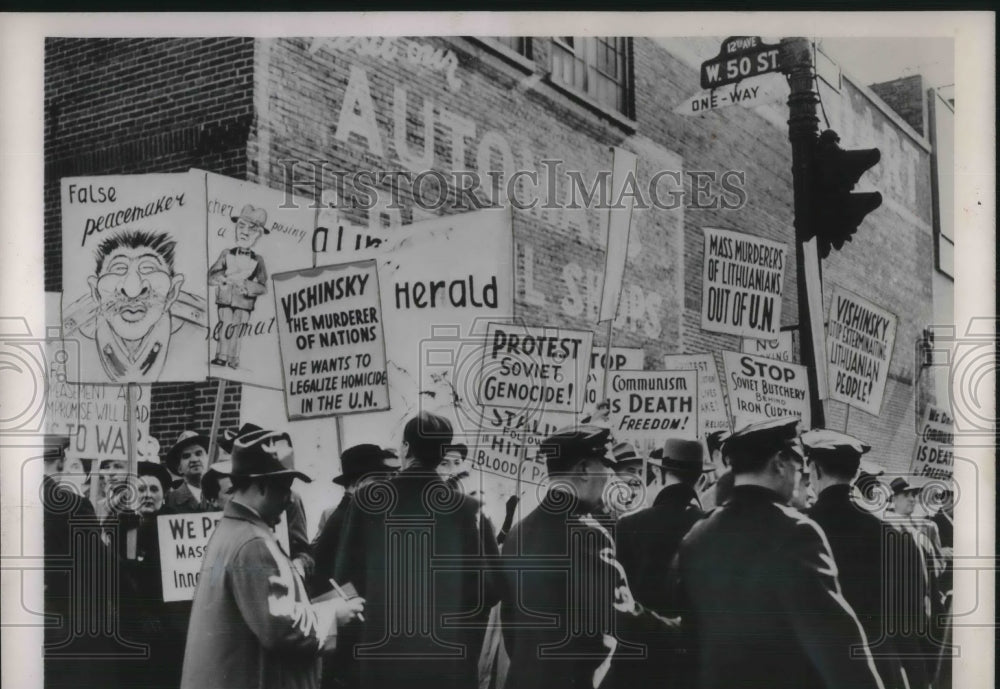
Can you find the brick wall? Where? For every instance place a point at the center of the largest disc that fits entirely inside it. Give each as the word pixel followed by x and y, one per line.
pixel 906 97
pixel 122 106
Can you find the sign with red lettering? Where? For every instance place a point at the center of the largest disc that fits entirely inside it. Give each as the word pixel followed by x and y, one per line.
pixel 331 340
pixel 742 284
pixel 134 277
pixel 859 341
pixel 739 57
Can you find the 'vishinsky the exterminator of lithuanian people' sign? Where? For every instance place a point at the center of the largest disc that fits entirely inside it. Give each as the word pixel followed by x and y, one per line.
pixel 332 344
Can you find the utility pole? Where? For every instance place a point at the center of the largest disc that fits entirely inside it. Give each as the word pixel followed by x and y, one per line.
pixel 803 133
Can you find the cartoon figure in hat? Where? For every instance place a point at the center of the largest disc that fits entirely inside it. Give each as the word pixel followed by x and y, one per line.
pixel 239 276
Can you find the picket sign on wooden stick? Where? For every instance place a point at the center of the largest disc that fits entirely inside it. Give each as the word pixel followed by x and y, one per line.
pixel 213 436
pixel 623 166
pixel 131 535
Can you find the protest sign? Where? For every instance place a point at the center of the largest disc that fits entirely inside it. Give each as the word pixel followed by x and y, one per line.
pixel 859 341
pixel 712 414
pixel 742 284
pixel 92 416
pixel 134 276
pixel 933 455
pixel 544 369
pixel 779 348
pixel 331 340
pixel 183 540
pixel 435 315
pixel 647 407
pixel 253 232
pixel 761 389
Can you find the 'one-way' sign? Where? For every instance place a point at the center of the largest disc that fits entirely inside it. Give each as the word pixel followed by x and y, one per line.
pixel 739 58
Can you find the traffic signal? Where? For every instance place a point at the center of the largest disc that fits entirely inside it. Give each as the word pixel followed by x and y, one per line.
pixel 836 212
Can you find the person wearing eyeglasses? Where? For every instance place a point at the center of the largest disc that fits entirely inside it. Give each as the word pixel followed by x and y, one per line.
pixel 756 582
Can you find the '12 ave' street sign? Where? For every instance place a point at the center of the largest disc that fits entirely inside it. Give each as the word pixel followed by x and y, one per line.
pixel 739 58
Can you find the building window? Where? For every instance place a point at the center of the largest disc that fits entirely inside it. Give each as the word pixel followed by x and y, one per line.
pixel 518 44
pixel 599 66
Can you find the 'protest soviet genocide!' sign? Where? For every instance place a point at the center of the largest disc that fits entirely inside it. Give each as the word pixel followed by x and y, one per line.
pixel 332 344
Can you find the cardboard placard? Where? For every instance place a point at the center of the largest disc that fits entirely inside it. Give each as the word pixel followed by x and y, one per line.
pixel 712 414
pixel 780 348
pixel 331 340
pixel 183 540
pixel 253 232
pixel 647 407
pixel 742 284
pixel 134 276
pixel 761 389
pixel 933 455
pixel 859 341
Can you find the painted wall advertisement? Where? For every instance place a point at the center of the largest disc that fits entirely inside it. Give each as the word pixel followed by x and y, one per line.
pixel 742 284
pixel 761 389
pixel 331 340
pixel 134 276
pixel 933 455
pixel 253 232
pixel 859 341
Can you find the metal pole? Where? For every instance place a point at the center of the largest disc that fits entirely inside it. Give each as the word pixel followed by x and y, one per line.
pixel 213 436
pixel 803 132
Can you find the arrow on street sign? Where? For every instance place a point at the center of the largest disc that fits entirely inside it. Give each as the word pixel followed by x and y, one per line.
pixel 768 88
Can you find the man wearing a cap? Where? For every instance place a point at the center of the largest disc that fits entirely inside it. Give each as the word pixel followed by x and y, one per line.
pixel 716 490
pixel 758 593
pixel 239 276
pixel 188 459
pixel 566 599
pixel 414 548
pixel 253 624
pixel 857 539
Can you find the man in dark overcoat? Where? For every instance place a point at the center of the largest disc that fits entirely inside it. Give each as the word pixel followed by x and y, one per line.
pixel 758 593
pixel 418 552
pixel 567 600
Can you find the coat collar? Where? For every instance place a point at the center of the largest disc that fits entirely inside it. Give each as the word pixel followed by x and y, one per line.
pixel 751 493
pixel 235 510
pixel 834 495
pixel 676 493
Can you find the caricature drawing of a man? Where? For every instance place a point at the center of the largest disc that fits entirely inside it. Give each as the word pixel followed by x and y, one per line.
pixel 134 287
pixel 240 277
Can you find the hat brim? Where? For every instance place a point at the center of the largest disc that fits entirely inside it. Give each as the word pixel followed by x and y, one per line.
pixel 681 466
pixel 171 457
pixel 274 474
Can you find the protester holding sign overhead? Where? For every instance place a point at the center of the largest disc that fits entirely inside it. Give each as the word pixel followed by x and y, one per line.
pixel 252 624
pixel 760 602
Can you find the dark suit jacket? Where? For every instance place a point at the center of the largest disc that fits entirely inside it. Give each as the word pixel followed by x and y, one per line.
pixel 182 501
pixel 858 541
pixel 422 558
pixel 760 602
pixel 648 540
pixel 567 603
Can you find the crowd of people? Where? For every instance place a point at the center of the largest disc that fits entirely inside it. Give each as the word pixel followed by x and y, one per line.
pixel 765 559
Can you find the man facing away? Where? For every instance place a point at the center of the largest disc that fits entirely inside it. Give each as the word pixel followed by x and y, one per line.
pixel 566 598
pixel 252 624
pixel 758 593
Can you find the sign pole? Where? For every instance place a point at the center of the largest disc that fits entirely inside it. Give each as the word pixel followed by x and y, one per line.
pixel 607 361
pixel 213 436
pixel 131 534
pixel 803 133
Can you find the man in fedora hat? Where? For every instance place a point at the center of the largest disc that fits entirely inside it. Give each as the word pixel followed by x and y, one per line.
pixel 757 585
pixel 582 585
pixel 252 624
pixel 239 276
pixel 188 458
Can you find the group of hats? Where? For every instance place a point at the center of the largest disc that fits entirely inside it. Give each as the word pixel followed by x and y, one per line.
pixel 254 452
pixel 568 445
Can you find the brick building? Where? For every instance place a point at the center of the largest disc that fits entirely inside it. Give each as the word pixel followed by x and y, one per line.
pixel 248 108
